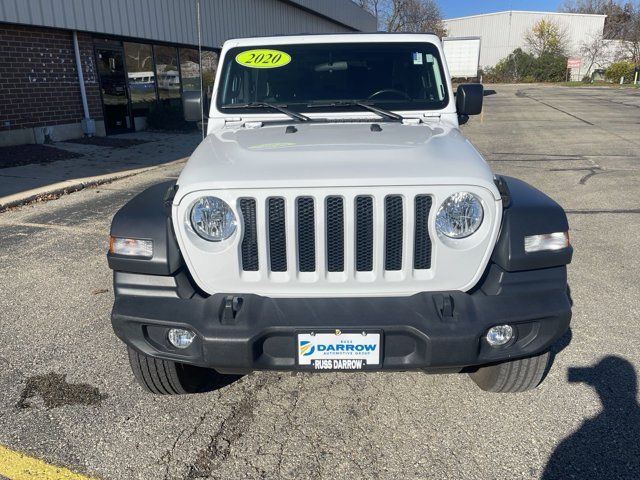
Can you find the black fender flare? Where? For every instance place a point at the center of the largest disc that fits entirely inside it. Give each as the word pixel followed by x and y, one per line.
pixel 147 217
pixel 527 211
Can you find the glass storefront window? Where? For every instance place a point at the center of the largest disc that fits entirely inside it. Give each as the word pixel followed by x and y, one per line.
pixel 113 86
pixel 145 82
pixel 209 67
pixel 168 74
pixel 190 69
pixel 141 77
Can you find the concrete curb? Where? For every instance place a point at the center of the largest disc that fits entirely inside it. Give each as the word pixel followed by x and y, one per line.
pixel 74 185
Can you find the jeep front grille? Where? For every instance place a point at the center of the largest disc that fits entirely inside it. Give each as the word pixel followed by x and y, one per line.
pixel 335 234
pixel 249 247
pixel 319 222
pixel 364 234
pixel 277 235
pixel 422 241
pixel 393 233
pixel 306 235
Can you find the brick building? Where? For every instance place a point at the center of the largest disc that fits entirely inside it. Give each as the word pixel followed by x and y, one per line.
pixel 39 84
pixel 134 55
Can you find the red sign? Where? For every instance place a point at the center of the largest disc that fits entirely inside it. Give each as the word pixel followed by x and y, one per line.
pixel 574 63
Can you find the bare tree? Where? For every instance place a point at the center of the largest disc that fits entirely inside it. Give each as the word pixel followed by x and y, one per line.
pixel 618 14
pixel 406 15
pixel 372 6
pixel 586 6
pixel 622 23
pixel 595 50
pixel 630 45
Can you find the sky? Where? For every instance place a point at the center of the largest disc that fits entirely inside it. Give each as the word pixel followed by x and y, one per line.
pixel 461 8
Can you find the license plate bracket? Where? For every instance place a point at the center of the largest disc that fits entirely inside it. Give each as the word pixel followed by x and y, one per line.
pixel 339 350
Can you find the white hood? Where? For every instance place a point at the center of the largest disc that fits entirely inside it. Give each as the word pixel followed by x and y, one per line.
pixel 334 155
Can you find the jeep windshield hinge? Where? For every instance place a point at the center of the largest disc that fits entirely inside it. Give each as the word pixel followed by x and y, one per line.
pixel 167 201
pixel 233 121
pixel 431 116
pixel 503 189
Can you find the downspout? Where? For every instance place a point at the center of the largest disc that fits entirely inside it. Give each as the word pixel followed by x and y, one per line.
pixel 88 124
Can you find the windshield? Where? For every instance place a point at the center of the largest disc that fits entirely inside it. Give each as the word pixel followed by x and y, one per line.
pixel 329 76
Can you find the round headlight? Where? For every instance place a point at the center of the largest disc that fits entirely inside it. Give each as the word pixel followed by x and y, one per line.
pixel 459 215
pixel 213 219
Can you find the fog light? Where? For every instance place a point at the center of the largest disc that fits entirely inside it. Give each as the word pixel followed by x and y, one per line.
pixel 499 335
pixel 181 338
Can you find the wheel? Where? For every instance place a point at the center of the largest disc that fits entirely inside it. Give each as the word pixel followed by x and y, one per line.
pixel 514 376
pixel 164 377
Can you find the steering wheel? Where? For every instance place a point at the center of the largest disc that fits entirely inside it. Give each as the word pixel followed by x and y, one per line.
pixel 389 90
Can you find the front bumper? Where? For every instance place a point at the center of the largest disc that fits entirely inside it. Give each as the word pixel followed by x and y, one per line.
pixel 424 331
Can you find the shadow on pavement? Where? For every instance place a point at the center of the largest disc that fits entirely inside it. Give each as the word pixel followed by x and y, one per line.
pixel 28 167
pixel 556 348
pixel 203 380
pixel 215 381
pixel 17 156
pixel 607 446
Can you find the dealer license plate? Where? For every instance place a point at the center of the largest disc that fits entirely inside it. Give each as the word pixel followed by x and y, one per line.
pixel 339 350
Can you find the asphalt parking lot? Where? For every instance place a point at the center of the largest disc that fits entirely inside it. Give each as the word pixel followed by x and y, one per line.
pixel 67 396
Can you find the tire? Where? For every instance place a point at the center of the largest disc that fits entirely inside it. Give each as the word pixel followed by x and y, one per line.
pixel 164 377
pixel 514 376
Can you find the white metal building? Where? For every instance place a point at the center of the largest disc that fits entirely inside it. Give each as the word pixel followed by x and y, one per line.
pixel 502 32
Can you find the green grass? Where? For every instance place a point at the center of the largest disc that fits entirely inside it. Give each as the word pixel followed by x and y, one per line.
pixel 568 84
pixel 597 84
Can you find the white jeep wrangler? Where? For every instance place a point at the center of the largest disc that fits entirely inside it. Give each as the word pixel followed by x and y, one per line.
pixel 335 218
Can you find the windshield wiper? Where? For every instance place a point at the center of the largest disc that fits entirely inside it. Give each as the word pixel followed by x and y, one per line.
pixel 387 114
pixel 272 106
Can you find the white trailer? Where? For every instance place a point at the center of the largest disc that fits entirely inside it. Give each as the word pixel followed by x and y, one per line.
pixel 462 55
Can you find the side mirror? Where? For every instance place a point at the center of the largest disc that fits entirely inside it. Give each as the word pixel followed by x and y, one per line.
pixel 469 99
pixel 191 105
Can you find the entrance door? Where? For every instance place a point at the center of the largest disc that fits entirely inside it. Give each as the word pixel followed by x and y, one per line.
pixel 113 85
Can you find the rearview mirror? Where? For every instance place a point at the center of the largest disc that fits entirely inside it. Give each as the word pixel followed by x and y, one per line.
pixel 469 99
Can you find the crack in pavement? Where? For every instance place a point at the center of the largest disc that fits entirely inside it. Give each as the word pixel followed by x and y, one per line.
pixel 593 171
pixel 577 157
pixel 169 454
pixel 291 424
pixel 562 156
pixel 595 212
pixel 230 430
pixel 533 160
pixel 522 94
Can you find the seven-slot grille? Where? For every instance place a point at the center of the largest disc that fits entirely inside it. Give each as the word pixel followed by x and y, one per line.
pixel 301 224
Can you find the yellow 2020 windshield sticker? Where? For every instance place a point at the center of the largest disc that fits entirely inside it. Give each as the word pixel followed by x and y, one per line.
pixel 263 58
